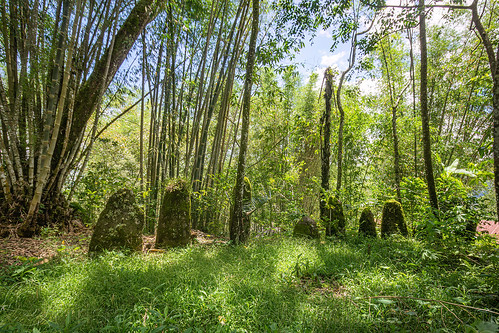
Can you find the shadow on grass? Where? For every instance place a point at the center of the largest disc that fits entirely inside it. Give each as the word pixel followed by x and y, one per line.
pixel 258 288
pixel 222 288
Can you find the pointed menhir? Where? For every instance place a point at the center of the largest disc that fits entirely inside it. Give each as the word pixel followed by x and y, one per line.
pixel 174 224
pixel 393 220
pixel 367 225
pixel 119 226
pixel 335 218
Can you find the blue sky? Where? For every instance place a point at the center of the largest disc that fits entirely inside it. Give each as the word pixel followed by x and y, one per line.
pixel 316 56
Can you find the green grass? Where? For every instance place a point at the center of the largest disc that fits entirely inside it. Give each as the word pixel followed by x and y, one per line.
pixel 272 285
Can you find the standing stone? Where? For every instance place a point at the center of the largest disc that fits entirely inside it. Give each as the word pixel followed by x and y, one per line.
pixel 336 219
pixel 306 227
pixel 367 226
pixel 119 226
pixel 174 224
pixel 393 220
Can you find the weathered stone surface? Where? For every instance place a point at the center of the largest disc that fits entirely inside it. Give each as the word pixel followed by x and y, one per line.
pixel 119 226
pixel 393 219
pixel 336 219
pixel 306 227
pixel 174 224
pixel 367 226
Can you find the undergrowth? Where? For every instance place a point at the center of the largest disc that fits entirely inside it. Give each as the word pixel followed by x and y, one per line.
pixel 271 285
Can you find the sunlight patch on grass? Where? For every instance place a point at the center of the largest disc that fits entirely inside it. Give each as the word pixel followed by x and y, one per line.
pixel 281 284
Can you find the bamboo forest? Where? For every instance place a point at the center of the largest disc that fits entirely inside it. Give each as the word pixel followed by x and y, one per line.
pixel 249 166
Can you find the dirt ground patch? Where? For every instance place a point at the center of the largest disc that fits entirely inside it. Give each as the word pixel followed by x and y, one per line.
pixel 15 250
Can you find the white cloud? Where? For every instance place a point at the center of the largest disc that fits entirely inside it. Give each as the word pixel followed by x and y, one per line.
pixel 325 33
pixel 335 60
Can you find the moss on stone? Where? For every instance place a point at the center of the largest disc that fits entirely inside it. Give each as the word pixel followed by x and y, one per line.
pixel 306 227
pixel 119 226
pixel 174 224
pixel 367 226
pixel 393 219
pixel 336 223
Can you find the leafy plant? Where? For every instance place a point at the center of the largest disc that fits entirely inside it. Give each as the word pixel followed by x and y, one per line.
pixel 16 273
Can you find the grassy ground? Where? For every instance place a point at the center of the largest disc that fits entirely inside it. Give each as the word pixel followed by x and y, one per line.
pixel 271 285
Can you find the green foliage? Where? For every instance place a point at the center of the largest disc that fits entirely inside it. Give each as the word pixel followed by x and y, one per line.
pixel 279 284
pixel 210 205
pixel 357 152
pixel 414 196
pixel 98 184
pixel 461 207
pixel 17 273
pixel 113 164
pixel 461 211
pixel 275 161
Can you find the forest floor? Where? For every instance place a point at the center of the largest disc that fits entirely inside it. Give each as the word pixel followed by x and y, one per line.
pixel 271 284
pixel 16 250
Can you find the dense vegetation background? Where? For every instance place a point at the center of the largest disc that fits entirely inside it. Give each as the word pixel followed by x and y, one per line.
pixel 172 103
pixel 100 95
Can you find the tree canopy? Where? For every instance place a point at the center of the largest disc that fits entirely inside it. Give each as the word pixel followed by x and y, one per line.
pixel 99 94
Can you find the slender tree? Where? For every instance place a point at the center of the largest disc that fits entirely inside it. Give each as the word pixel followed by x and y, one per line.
pixel 394 104
pixel 326 148
pixel 424 110
pixel 237 220
pixel 50 89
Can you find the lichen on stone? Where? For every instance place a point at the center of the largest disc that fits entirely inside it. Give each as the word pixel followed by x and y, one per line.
pixel 306 227
pixel 393 219
pixel 174 224
pixel 119 226
pixel 367 225
pixel 336 218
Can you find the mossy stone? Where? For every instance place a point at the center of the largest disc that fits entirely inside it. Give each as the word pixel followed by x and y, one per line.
pixel 336 218
pixel 174 224
pixel 393 219
pixel 119 226
pixel 306 227
pixel 367 225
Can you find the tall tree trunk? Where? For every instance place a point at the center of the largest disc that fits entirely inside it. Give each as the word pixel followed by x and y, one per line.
pixel 413 86
pixel 238 218
pixel 495 103
pixel 424 110
pixel 326 150
pixel 493 57
pixel 142 107
pixel 394 106
pixel 45 110
pixel 396 155
pixel 89 95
